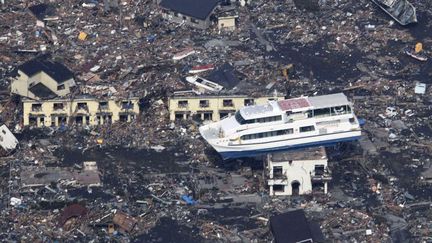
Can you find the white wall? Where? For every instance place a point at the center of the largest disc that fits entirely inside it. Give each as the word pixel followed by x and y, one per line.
pixel 7 139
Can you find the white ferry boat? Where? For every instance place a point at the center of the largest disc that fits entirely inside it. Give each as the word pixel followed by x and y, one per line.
pixel 283 125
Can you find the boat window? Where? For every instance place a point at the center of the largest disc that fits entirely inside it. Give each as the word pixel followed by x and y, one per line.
pixel 267 134
pixel 239 118
pixel 322 112
pixel 269 119
pixel 199 80
pixel 307 129
pixel 348 109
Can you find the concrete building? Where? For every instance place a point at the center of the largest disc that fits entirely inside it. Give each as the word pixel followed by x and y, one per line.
pixel 195 13
pixel 42 79
pixel 297 172
pixel 212 108
pixel 83 110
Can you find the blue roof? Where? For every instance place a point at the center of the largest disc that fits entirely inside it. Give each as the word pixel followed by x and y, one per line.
pixel 199 9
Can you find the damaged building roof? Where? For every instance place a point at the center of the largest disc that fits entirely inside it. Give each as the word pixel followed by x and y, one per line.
pixel 55 70
pixel 292 227
pixel 199 9
pixel 42 91
pixel 41 11
pixel 225 75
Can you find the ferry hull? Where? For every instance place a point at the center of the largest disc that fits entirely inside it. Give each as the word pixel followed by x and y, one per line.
pixel 231 152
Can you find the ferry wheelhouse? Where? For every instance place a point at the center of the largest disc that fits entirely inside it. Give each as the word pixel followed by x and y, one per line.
pixel 284 125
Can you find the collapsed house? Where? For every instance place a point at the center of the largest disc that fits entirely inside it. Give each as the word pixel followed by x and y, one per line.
pixel 42 79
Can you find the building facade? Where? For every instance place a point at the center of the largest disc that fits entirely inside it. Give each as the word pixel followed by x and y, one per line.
pixel 212 108
pixel 79 111
pixel 297 172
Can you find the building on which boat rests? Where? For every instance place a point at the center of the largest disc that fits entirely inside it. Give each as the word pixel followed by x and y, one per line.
pixel 212 108
pixel 82 110
pixel 297 172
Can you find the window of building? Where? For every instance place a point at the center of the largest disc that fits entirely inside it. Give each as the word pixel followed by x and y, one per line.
pixel 277 171
pixel 228 103
pixel 33 121
pixel 36 107
pixel 127 105
pixel 58 106
pixel 179 116
pixel 278 188
pixel 208 116
pixel 61 87
pixel 204 103
pixel 79 120
pixel 183 103
pixel 226 113
pixel 103 105
pixel 82 106
pixel 123 118
pixel 248 102
pixel 319 169
pixel 307 129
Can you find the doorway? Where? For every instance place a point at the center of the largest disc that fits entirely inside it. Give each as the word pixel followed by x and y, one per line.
pixel 295 188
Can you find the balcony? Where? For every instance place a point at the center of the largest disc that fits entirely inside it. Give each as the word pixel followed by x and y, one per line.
pixel 183 104
pixel 82 108
pixel 36 108
pixel 276 176
pixel 320 176
pixel 103 106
